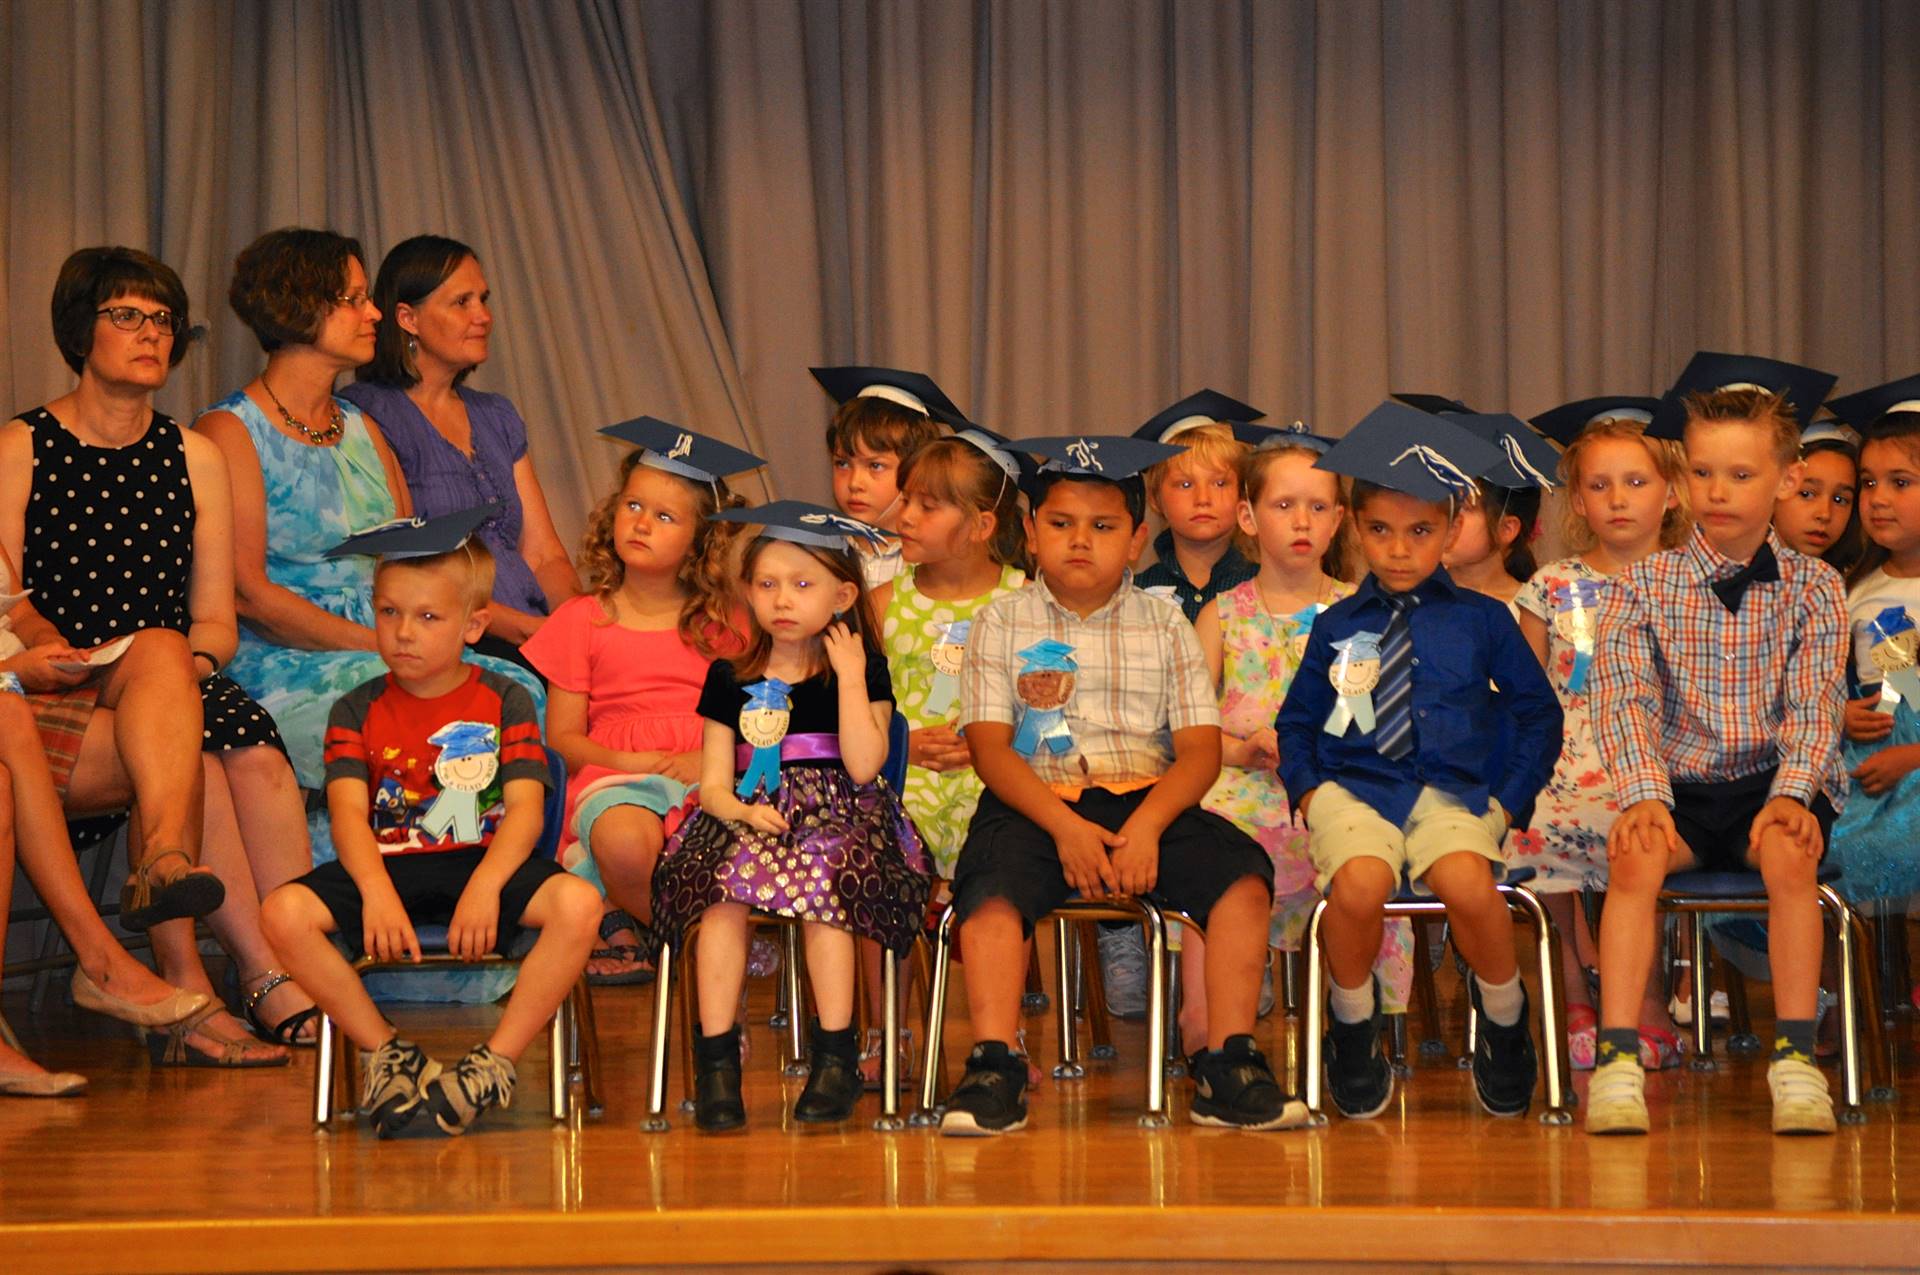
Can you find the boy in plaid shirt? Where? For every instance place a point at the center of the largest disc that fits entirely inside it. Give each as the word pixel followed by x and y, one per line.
pixel 1717 703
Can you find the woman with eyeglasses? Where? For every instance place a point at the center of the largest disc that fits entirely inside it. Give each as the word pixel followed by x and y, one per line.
pixel 309 469
pixel 120 523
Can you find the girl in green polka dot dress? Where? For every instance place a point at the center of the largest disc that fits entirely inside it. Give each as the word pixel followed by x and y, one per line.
pixel 964 544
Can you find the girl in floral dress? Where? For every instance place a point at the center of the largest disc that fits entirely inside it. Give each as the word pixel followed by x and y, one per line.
pixel 1624 502
pixel 1254 636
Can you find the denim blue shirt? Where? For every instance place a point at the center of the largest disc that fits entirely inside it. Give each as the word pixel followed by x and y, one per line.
pixel 1485 719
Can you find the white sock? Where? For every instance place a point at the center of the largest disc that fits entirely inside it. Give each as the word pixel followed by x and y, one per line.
pixel 1501 1002
pixel 1351 1004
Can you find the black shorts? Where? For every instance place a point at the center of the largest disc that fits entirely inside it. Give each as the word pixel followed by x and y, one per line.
pixel 1714 818
pixel 1007 856
pixel 429 887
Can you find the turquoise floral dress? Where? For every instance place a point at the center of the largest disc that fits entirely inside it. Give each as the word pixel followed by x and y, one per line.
pixel 940 803
pixel 1261 654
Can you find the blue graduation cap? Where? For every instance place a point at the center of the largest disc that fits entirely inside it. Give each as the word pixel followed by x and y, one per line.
pixel 1263 437
pixel 463 739
pixel 1208 407
pixel 802 523
pixel 668 447
pixel 1407 450
pixel 1432 404
pixel 416 537
pixel 1804 388
pixel 1563 423
pixel 1528 460
pixel 1862 408
pixel 914 391
pixel 1015 464
pixel 1114 457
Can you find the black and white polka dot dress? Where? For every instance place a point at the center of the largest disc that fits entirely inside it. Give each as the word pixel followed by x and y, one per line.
pixel 109 551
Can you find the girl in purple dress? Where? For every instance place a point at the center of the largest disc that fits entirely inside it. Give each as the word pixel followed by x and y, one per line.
pixel 795 817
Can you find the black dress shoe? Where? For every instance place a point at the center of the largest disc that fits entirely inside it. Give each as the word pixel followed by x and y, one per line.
pixel 717 1107
pixel 833 1081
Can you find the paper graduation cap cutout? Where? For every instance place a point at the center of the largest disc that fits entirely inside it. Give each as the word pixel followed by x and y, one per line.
pixel 1208 407
pixel 1110 456
pixel 1563 423
pixel 1529 460
pixel 1012 462
pixel 1407 450
pixel 416 537
pixel 1804 388
pixel 912 390
pixel 1295 435
pixel 1432 404
pixel 1863 407
pixel 680 451
pixel 804 524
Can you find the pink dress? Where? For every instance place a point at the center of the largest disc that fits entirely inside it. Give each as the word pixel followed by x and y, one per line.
pixel 642 688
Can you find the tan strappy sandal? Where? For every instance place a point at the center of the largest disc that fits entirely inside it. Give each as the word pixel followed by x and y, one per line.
pixel 170 1048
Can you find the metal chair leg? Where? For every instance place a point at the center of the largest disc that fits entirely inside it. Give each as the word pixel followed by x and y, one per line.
pixel 656 1121
pixel 1157 1004
pixel 923 976
pixel 1702 995
pixel 890 1120
pixel 930 1075
pixel 1035 1000
pixel 796 1002
pixel 1851 1088
pixel 1872 1024
pixel 1741 1040
pixel 689 997
pixel 1289 976
pixel 1099 1017
pixel 1552 1026
pixel 1069 1067
pixel 1432 1043
pixel 1311 1062
pixel 588 1031
pixel 325 1047
pixel 559 1093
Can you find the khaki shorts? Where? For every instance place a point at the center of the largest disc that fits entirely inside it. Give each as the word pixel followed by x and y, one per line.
pixel 1341 827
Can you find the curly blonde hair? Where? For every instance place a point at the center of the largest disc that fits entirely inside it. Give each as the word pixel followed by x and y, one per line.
pixel 1669 461
pixel 707 618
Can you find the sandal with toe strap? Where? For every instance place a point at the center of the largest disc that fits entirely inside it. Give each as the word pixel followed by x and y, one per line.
pixel 189 893
pixel 639 955
pixel 287 1030
pixel 171 1048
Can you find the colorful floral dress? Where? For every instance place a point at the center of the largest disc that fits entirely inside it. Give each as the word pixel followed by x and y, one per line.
pixel 1566 844
pixel 1261 654
pixel 918 632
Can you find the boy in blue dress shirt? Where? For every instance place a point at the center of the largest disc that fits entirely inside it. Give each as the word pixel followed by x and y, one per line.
pixel 1384 747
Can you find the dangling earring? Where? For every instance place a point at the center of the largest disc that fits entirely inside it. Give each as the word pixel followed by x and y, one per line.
pixel 413 347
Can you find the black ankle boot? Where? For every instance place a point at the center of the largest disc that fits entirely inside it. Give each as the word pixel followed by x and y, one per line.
pixel 833 1083
pixel 716 1088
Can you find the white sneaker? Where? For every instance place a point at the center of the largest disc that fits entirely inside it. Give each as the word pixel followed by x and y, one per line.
pixel 1617 1098
pixel 1801 1103
pixel 1682 1011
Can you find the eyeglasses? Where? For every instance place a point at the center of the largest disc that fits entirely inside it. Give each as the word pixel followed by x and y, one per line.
pixel 129 318
pixel 355 300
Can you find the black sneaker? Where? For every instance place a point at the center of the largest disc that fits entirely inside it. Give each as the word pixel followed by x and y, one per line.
pixel 833 1077
pixel 1233 1088
pixel 1504 1064
pixel 988 1098
pixel 1359 1077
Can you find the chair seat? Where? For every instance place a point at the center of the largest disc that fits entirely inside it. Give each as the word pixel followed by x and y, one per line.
pixel 1515 876
pixel 1733 885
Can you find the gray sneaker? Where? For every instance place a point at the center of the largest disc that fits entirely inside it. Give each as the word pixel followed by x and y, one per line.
pixel 481 1079
pixel 1123 967
pixel 395 1073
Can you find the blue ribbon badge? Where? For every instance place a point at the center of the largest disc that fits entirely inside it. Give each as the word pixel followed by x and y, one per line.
pixel 1896 644
pixel 1044 686
pixel 1354 674
pixel 948 650
pixel 1302 622
pixel 763 724
pixel 1576 619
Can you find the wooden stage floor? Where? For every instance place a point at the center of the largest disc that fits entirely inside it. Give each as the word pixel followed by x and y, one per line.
pixel 202 1171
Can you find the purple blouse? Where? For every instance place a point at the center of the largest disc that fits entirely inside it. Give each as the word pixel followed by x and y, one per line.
pixel 443 480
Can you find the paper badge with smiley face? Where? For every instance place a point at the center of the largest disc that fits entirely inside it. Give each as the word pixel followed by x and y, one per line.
pixel 1576 619
pixel 1895 652
pixel 1354 673
pixel 1043 687
pixel 763 724
pixel 949 650
pixel 469 759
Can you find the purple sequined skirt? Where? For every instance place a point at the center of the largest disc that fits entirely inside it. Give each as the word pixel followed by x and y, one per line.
pixel 851 859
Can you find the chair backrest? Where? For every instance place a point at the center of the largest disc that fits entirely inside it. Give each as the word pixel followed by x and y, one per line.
pixel 895 769
pixel 548 847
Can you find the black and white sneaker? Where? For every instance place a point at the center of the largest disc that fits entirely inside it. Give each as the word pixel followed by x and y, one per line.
pixel 481 1079
pixel 1504 1063
pixel 988 1100
pixel 1234 1088
pixel 1359 1077
pixel 391 1095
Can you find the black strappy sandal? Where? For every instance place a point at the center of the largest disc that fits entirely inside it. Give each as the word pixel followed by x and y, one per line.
pixel 287 1030
pixel 144 905
pixel 641 953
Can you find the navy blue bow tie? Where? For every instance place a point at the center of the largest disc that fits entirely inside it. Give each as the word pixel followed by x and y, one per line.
pixel 1764 567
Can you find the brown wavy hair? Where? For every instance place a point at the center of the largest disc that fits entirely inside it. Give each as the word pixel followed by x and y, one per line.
pixel 1669 461
pixel 92 277
pixel 845 567
pixel 1896 429
pixel 287 281
pixel 879 425
pixel 707 617
pixel 955 472
pixel 1341 551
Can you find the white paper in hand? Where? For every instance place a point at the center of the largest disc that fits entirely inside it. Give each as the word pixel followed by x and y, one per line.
pixel 98 657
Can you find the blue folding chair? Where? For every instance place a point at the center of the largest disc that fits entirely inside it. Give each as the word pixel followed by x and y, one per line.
pixel 572 1038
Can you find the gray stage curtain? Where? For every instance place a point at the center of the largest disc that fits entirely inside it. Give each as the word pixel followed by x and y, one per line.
pixel 1067 212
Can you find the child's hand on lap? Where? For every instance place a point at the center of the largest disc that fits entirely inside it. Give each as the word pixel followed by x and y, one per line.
pixel 386 931
pixel 765 818
pixel 845 654
pixel 1866 724
pixel 1258 751
pixel 1792 818
pixel 1646 827
pixel 682 767
pixel 1083 858
pixel 938 748
pixel 475 927
pixel 1136 863
pixel 1880 772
